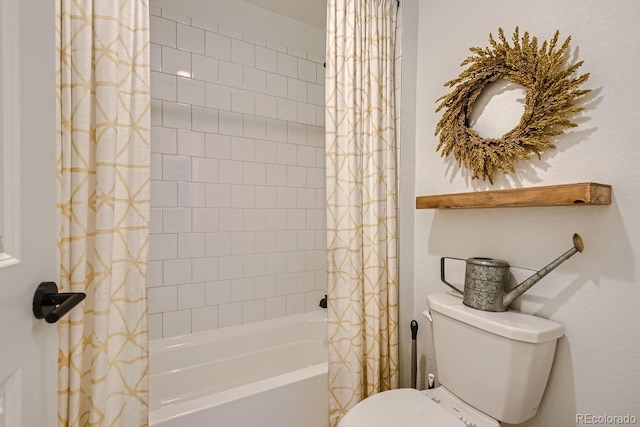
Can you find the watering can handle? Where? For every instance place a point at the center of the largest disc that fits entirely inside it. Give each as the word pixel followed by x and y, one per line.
pixel 442 273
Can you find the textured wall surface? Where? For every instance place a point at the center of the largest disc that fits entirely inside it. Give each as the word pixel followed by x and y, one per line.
pixel 237 192
pixel 594 295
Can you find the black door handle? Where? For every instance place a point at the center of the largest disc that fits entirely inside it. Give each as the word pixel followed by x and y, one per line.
pixel 51 305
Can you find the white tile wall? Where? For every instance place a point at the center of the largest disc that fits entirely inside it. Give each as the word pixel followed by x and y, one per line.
pixel 231 74
pixel 238 209
pixel 255 80
pixel 176 62
pixel 176 115
pixel 164 86
pixel 287 65
pixel 204 68
pixel 218 96
pixel 190 91
pixel 243 53
pixel 266 59
pixel 217 46
pixel 191 143
pixel 190 39
pixel 162 31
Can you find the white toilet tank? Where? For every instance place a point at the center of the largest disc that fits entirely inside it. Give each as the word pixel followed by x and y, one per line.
pixel 499 363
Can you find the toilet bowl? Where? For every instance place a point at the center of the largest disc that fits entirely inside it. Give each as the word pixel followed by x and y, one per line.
pixel 493 367
pixel 408 407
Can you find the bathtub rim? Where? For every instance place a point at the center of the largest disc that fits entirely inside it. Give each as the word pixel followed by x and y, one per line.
pixel 232 331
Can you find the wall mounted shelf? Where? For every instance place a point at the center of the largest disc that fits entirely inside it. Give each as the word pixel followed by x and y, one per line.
pixel 586 193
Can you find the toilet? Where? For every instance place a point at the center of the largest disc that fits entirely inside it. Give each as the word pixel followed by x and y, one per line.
pixel 493 367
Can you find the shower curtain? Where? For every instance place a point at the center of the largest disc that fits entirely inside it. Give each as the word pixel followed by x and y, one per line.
pixel 103 101
pixel 361 201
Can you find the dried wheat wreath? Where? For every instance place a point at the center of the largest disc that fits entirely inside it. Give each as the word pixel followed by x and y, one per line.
pixel 550 96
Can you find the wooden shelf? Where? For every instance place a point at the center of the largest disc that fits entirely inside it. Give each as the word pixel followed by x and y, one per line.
pixel 586 193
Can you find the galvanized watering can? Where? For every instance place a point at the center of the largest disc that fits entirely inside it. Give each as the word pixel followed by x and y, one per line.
pixel 487 279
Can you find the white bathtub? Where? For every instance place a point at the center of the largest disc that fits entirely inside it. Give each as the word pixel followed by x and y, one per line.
pixel 270 373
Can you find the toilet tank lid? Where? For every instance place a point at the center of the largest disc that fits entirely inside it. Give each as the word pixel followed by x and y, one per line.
pixel 509 324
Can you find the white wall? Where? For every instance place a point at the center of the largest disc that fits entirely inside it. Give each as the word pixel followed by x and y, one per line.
pixel 247 18
pixel 595 295
pixel 408 20
pixel 238 228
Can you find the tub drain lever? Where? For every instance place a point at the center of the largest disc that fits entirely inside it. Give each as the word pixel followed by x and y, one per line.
pixel 323 302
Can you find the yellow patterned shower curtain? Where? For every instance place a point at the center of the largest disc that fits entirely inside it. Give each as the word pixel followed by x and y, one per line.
pixel 103 101
pixel 361 201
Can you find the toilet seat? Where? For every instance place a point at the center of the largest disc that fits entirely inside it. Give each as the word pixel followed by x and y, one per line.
pixel 408 407
pixel 405 407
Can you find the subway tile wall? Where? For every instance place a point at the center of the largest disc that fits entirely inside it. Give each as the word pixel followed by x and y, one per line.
pixel 238 221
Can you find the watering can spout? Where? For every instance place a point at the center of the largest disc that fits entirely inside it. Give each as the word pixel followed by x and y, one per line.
pixel 578 246
pixel 487 279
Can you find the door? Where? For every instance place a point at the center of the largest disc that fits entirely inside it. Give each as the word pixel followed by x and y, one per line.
pixel 28 347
